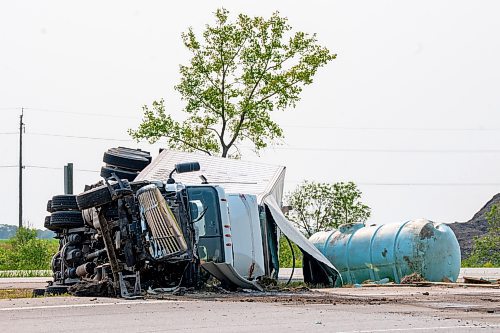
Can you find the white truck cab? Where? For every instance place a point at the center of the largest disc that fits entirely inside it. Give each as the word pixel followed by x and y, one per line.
pixel 228 233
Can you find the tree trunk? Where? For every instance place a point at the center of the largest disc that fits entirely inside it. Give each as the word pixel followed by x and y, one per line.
pixel 225 150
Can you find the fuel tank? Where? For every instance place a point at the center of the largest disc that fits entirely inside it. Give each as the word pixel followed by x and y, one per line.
pixel 392 251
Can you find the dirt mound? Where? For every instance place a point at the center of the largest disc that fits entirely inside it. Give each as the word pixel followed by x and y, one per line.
pixel 475 227
pixel 412 278
pixel 91 288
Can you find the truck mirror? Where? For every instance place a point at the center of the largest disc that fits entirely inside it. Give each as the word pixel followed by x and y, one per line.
pixel 187 167
pixel 183 167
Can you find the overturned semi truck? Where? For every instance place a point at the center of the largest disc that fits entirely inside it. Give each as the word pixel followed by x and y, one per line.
pixel 174 221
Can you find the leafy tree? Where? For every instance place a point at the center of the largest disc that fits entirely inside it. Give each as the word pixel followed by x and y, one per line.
pixel 486 249
pixel 239 72
pixel 320 206
pixel 26 252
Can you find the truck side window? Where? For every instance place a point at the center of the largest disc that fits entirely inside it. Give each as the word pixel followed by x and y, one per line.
pixel 205 209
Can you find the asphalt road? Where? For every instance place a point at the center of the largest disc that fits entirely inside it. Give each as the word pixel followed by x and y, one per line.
pixel 367 309
pixel 381 309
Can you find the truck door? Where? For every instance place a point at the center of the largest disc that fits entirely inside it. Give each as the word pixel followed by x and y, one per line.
pixel 205 210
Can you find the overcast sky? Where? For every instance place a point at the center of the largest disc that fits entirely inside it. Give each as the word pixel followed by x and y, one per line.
pixel 409 110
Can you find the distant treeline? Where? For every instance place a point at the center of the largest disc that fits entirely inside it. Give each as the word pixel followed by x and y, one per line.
pixel 8 231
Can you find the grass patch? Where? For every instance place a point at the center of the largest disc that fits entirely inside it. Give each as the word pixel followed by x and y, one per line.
pixel 285 254
pixel 25 273
pixel 16 293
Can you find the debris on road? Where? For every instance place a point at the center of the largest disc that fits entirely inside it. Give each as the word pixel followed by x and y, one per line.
pixel 476 280
pixel 412 278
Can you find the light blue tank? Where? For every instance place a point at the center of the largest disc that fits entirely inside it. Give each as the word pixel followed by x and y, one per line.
pixel 392 251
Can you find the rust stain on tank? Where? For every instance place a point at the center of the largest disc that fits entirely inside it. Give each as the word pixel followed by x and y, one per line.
pixel 410 263
pixel 427 231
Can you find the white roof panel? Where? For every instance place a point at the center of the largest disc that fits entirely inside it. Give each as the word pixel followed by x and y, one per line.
pixel 235 176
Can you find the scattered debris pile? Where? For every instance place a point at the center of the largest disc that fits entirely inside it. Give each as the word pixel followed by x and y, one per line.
pixel 92 288
pixel 412 278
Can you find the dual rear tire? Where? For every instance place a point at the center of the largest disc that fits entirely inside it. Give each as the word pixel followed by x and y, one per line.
pixel 64 213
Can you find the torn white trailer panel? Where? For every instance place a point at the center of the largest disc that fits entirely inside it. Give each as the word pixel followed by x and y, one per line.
pixel 289 230
pixel 235 176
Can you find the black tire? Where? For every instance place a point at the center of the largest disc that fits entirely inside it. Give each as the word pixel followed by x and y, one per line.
pixel 66 219
pixel 64 202
pixel 49 206
pixel 50 227
pixel 38 292
pixel 98 196
pixel 56 290
pixel 46 223
pixel 125 160
pixel 107 171
pixel 139 152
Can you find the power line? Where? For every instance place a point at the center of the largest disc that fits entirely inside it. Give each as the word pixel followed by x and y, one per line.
pixel 429 184
pixel 8 133
pixel 79 137
pixel 45 167
pixel 82 113
pixel 409 184
pixel 73 112
pixel 362 150
pixel 353 128
pixel 57 168
pixel 365 150
pixel 426 129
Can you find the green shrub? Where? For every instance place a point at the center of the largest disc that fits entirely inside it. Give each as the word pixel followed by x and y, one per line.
pixel 285 254
pixel 486 249
pixel 25 251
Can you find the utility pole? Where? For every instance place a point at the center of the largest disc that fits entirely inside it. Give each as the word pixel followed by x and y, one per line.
pixel 68 178
pixel 21 129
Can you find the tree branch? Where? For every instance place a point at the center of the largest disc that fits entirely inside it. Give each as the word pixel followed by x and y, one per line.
pixel 224 72
pixel 274 93
pixel 211 81
pixel 189 145
pixel 304 222
pixel 208 106
pixel 214 130
pixel 243 114
pixel 223 108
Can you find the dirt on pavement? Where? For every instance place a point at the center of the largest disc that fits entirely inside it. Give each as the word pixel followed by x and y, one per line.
pixel 469 299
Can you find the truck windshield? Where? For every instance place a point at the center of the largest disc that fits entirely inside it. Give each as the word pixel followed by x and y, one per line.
pixel 205 210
